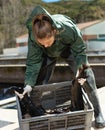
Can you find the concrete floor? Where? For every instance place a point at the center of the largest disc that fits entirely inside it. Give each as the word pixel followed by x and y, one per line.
pixel 9 119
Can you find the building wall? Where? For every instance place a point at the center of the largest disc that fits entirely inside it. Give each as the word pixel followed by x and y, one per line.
pixel 96 29
pixel 96 46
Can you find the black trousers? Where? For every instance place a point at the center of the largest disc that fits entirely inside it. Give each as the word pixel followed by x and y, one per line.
pixel 56 70
pixel 49 64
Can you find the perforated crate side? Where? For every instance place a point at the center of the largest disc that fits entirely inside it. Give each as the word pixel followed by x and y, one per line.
pixel 77 120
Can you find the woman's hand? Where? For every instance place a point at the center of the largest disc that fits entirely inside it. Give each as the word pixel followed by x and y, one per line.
pixel 19 94
pixel 27 90
pixel 81 81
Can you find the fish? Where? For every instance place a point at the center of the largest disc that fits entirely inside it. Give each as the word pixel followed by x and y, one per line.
pixel 76 90
pixel 26 104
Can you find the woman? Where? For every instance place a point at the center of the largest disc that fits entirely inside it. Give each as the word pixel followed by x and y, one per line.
pixel 51 37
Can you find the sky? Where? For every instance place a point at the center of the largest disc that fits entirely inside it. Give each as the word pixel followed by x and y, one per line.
pixel 48 1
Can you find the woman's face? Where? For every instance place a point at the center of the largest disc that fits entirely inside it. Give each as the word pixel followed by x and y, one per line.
pixel 46 42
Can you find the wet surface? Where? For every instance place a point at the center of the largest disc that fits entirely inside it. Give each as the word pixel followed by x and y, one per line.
pixel 4 87
pixel 4 94
pixel 4 123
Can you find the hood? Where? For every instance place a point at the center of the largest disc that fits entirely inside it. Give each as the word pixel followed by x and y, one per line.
pixel 37 11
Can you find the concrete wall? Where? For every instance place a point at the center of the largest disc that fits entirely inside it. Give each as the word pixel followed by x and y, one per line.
pixel 18 50
pixel 96 46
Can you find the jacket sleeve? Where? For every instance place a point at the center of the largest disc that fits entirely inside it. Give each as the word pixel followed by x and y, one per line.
pixel 78 49
pixel 33 63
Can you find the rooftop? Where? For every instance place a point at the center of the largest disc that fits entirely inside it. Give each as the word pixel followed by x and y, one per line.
pixel 87 24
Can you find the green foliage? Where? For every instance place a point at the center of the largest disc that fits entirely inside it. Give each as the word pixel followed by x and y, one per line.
pixel 13 14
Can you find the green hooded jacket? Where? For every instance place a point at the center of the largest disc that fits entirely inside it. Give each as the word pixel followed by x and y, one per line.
pixel 68 35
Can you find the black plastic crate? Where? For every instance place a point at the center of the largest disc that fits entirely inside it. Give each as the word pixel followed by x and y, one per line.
pixel 57 96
